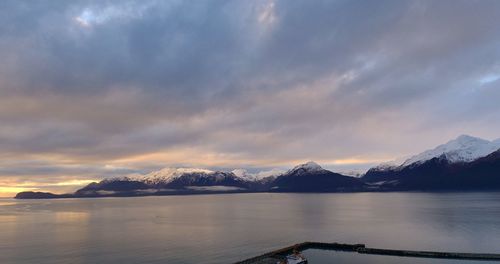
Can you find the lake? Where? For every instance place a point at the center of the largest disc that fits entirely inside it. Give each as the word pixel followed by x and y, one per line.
pixel 231 227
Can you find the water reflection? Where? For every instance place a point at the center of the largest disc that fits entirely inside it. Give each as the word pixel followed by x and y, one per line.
pixel 65 217
pixel 226 228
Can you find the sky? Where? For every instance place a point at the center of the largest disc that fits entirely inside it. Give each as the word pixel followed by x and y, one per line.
pixel 96 89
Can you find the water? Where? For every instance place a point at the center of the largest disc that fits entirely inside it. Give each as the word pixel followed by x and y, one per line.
pixel 324 256
pixel 227 228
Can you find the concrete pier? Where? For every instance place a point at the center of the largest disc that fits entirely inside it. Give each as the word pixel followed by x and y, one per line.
pixel 279 254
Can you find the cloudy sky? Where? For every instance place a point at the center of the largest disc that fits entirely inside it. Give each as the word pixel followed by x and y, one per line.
pixel 94 89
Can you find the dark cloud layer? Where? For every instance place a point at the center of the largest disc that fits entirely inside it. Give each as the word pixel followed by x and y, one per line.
pixel 247 83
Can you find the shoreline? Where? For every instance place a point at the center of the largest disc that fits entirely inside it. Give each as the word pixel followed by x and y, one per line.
pixel 44 195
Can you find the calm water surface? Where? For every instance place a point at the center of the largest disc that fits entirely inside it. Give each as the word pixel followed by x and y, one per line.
pixel 227 228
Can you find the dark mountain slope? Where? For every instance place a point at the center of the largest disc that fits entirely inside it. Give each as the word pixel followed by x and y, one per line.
pixel 310 177
pixel 439 174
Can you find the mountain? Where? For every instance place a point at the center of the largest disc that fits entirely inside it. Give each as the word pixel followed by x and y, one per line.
pixel 440 174
pixel 265 175
pixel 310 177
pixel 168 180
pixel 40 195
pixel 218 178
pixel 465 163
pixel 167 175
pixel 462 149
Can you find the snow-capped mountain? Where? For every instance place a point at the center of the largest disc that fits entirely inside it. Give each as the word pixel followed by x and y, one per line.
pixel 182 177
pixel 465 163
pixel 167 175
pixel 440 174
pixel 216 178
pixel 168 180
pixel 308 167
pixel 254 177
pixel 311 177
pixel 462 149
pixel 308 177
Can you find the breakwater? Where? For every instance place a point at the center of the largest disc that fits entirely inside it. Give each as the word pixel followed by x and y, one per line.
pixel 273 256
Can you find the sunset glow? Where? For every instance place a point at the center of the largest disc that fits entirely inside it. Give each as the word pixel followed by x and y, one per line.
pixel 91 90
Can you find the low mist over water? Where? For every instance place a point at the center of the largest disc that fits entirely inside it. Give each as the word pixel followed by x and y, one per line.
pixel 228 228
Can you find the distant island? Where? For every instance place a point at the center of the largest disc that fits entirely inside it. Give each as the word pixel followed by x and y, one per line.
pixel 463 164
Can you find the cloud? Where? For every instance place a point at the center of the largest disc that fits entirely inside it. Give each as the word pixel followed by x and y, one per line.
pixel 235 83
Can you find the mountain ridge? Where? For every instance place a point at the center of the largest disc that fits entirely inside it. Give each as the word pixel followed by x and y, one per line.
pixel 458 164
pixel 464 163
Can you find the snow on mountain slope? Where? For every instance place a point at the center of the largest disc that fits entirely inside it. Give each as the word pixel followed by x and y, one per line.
pixel 352 173
pixel 392 164
pixel 245 175
pixel 462 149
pixel 309 167
pixel 386 166
pixel 167 175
